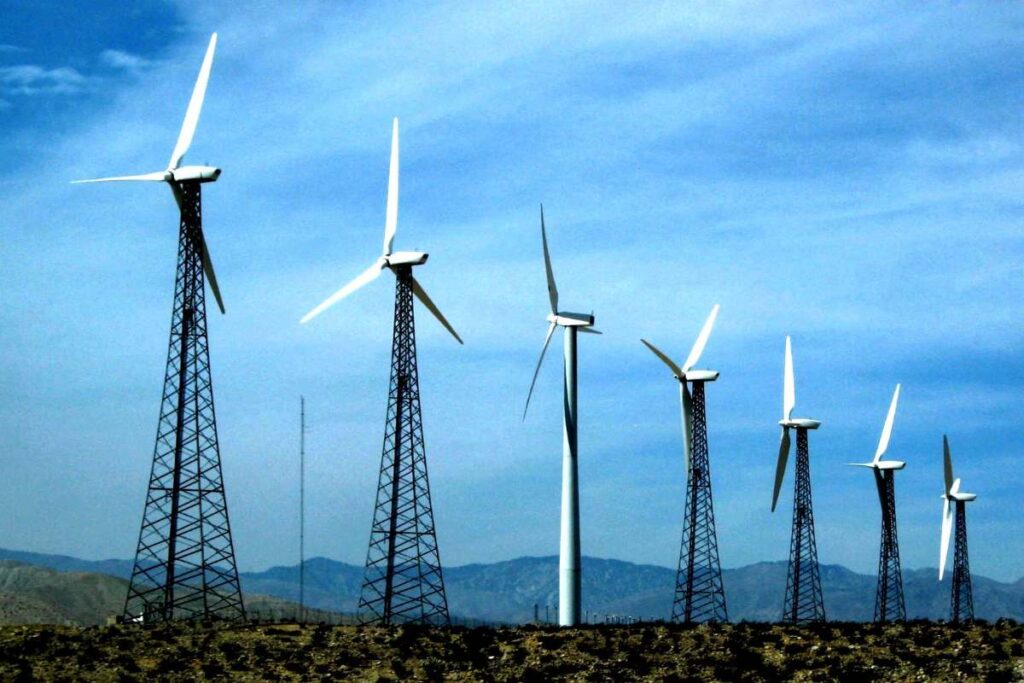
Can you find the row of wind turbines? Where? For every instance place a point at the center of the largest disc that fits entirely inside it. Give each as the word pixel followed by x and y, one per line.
pixel 185 563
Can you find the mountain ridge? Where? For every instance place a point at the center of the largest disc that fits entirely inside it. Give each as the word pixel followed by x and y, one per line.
pixel 508 590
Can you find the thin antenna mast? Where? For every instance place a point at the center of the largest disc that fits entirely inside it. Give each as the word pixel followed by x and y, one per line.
pixel 302 509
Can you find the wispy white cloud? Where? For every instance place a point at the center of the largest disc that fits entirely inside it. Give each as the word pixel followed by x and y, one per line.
pixel 31 79
pixel 119 59
pixel 6 48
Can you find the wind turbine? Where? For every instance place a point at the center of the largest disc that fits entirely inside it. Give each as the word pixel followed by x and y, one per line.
pixel 185 559
pixel 403 581
pixel 962 598
pixel 803 602
pixel 889 603
pixel 699 595
pixel 569 549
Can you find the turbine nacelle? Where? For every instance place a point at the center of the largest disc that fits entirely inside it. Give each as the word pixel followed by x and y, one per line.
pixel 881 465
pixel 566 319
pixel 700 376
pixel 800 423
pixel 202 174
pixel 405 258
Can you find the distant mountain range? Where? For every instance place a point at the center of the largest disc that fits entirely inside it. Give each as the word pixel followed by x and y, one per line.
pixel 507 591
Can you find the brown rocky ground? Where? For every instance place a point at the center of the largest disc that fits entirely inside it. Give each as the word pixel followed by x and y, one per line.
pixel 917 651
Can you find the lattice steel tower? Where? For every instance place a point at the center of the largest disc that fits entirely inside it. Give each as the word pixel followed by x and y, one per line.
pixel 889 603
pixel 961 603
pixel 804 602
pixel 699 595
pixel 185 561
pixel 403 581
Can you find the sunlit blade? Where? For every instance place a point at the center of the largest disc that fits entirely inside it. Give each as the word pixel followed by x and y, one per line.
pixel 195 105
pixel 955 488
pixel 883 443
pixel 391 217
pixel 676 370
pixel 590 330
pixel 947 527
pixel 789 385
pixel 158 176
pixel 780 468
pixel 684 395
pixel 425 300
pixel 552 289
pixel 947 463
pixel 543 350
pixel 211 278
pixel 702 339
pixel 880 485
pixel 364 278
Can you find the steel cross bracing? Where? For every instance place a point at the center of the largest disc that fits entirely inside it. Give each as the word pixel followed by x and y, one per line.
pixel 889 604
pixel 699 594
pixel 804 602
pixel 403 581
pixel 961 606
pixel 185 562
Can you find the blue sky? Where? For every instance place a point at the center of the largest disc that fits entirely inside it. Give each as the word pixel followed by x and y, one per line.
pixel 848 176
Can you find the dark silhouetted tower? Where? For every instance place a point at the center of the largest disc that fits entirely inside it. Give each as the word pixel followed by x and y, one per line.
pixel 804 602
pixel 403 581
pixel 185 563
pixel 699 595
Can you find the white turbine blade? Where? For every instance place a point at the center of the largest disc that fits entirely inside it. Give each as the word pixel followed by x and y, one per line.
pixel 425 300
pixel 687 402
pixel 364 278
pixel 158 176
pixel 676 370
pixel 211 278
pixel 955 488
pixel 947 527
pixel 590 330
pixel 391 217
pixel 948 463
pixel 552 289
pixel 789 385
pixel 702 339
pixel 883 442
pixel 780 467
pixel 195 105
pixel 543 350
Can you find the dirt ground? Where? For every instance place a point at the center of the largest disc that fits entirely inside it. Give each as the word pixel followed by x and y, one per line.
pixel 916 651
